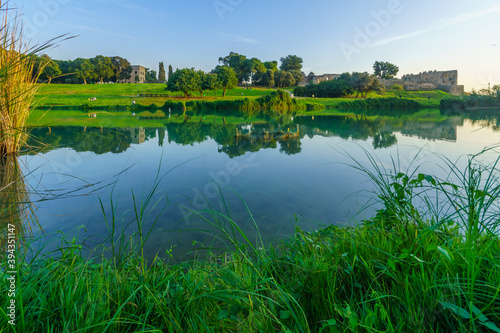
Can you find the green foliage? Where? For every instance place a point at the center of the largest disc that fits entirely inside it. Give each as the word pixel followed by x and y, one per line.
pixel 122 69
pixel 291 63
pixel 211 82
pixel 483 98
pixel 385 70
pixel 397 87
pixel 326 89
pixel 50 67
pixel 84 69
pixel 185 80
pixel 161 73
pixel 382 106
pixel 150 76
pixel 227 78
pixel 415 267
pixel 103 68
pixel 363 83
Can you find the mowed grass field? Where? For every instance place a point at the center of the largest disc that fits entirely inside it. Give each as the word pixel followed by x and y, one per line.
pixel 125 94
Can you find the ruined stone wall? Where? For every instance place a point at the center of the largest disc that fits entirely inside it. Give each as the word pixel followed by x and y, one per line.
pixel 446 81
pixel 439 78
pixel 325 77
pixel 431 80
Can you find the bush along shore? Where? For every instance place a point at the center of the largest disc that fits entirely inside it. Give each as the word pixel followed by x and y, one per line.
pixel 278 101
pixel 382 106
pixel 412 268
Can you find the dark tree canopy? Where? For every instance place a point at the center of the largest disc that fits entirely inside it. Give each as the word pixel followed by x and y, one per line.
pixel 291 62
pixel 50 67
pixel 385 70
pixel 121 69
pixel 150 76
pixel 161 72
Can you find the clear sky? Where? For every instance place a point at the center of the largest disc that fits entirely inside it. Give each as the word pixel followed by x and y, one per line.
pixel 331 36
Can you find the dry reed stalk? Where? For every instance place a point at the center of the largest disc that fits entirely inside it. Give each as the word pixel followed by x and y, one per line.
pixel 18 81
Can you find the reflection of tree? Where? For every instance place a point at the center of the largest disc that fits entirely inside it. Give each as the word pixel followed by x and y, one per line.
pixel 264 135
pixel 15 207
pixel 384 140
pixel 290 147
pixel 97 140
pixel 161 136
pixel 188 133
pixel 356 127
pixel 241 147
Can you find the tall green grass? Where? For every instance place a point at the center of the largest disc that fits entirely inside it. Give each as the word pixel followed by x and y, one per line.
pixel 429 261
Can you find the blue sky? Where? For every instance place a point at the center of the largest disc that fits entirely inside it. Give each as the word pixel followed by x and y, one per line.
pixel 331 36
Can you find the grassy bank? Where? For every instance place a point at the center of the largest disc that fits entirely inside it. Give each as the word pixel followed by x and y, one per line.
pixel 413 267
pixel 114 95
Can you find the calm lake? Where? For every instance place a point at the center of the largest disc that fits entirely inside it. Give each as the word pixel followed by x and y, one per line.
pixel 306 181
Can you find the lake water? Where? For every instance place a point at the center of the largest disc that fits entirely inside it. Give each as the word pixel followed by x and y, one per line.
pixel 280 184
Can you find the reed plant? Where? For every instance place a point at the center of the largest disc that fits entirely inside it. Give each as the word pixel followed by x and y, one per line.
pixel 17 81
pixel 19 73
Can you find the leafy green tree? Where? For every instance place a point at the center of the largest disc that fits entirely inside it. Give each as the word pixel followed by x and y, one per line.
pixel 185 80
pixel 255 68
pixel 363 83
pixel 385 70
pixel 297 75
pixel 150 76
pixel 225 61
pixel 289 79
pixel 227 78
pixel 83 69
pixel 291 62
pixel 170 71
pixel 280 78
pixel 211 82
pixel 65 67
pixel 272 65
pixel 50 70
pixel 121 68
pixel 270 78
pixel 137 78
pixel 161 72
pixel 239 63
pixel 103 67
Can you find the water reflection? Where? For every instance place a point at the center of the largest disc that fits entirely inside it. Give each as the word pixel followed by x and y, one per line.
pixel 238 139
pixel 16 214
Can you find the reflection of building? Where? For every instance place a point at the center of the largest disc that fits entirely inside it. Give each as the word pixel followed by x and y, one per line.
pixel 138 72
pixel 138 135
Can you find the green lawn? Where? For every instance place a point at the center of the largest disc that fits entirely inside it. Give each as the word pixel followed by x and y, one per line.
pixel 124 94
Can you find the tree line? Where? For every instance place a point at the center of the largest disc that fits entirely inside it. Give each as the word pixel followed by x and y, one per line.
pixel 235 69
pixel 348 84
pixel 98 69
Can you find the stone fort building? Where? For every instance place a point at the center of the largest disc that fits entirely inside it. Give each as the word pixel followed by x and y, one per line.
pixel 137 72
pixel 431 80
